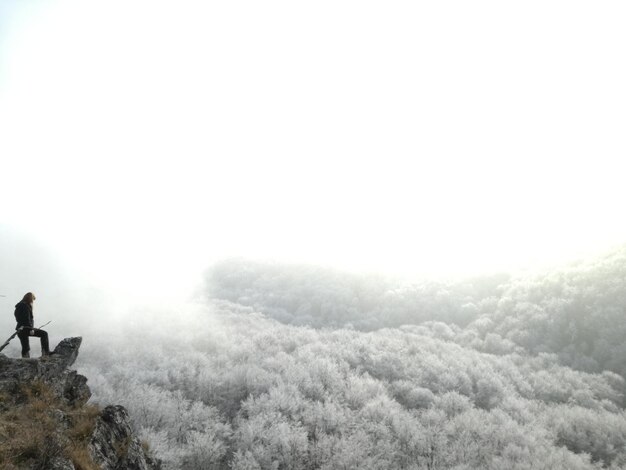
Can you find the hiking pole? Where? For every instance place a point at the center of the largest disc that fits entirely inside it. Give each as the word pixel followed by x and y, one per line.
pixel 6 343
pixel 9 340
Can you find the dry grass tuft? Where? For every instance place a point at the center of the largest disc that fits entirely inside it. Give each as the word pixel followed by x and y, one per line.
pixel 81 459
pixel 83 422
pixel 37 427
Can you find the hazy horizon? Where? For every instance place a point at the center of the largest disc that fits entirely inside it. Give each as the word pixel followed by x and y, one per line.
pixel 142 142
pixel 40 267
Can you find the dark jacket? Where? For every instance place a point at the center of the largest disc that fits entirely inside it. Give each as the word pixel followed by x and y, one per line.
pixel 24 315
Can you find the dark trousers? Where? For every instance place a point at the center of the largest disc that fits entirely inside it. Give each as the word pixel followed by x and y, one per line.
pixel 24 334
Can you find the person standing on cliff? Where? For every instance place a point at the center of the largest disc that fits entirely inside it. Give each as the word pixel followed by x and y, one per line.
pixel 25 326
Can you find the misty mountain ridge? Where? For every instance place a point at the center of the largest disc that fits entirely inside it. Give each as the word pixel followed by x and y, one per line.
pixel 241 390
pixel 299 367
pixel 576 311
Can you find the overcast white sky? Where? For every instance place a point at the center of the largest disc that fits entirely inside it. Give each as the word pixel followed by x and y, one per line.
pixel 143 139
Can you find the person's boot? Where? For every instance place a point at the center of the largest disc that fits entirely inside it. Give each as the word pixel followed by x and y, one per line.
pixel 46 353
pixel 25 355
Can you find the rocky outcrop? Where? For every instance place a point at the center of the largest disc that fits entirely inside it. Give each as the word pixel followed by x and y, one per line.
pixel 51 370
pixel 113 444
pixel 46 422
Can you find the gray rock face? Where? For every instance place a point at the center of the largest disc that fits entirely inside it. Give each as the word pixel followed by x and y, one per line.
pixel 61 464
pixel 52 370
pixel 112 444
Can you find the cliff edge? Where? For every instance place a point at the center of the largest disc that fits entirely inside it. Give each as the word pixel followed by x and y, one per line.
pixel 46 423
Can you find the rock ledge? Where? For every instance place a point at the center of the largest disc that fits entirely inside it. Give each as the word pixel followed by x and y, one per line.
pixel 111 445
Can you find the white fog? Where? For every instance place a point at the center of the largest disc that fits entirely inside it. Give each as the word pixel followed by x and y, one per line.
pixel 338 235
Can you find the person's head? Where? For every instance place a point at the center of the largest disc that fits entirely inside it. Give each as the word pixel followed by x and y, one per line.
pixel 29 298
